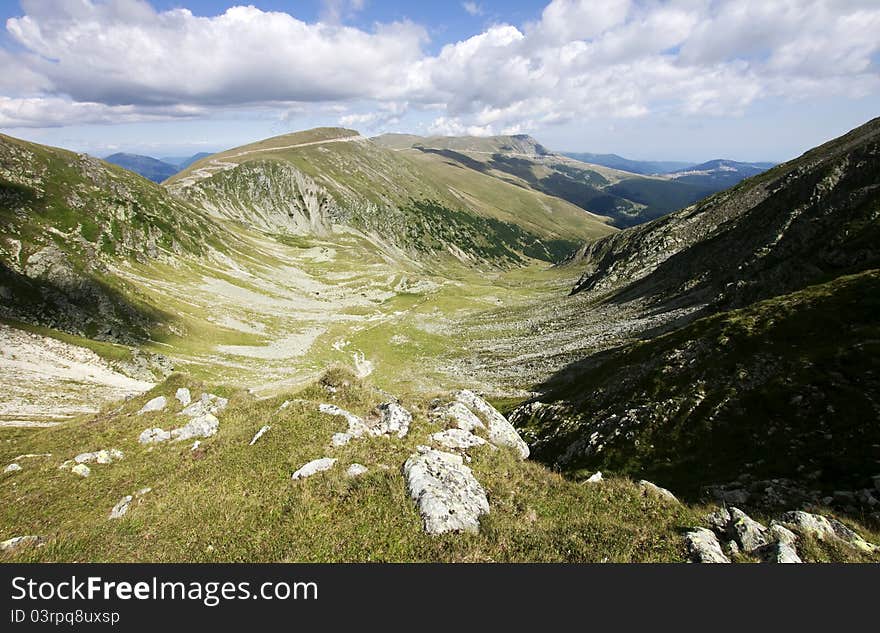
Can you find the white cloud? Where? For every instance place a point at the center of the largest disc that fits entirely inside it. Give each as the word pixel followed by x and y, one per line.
pixel 472 8
pixel 582 59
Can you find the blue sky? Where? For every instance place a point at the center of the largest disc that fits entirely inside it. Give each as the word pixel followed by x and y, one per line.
pixel 651 79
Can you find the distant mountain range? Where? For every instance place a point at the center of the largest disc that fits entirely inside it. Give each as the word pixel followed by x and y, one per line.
pixel 155 169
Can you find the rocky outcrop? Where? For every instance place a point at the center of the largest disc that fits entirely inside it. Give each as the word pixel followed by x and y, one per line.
pixel 445 491
pixel 390 419
pixel 501 433
pixel 156 404
pixel 208 403
pixel 313 467
pixel 205 425
pixel 457 439
pixel 99 457
pixel 824 529
pixel 703 547
pixel 649 488
pixel 394 419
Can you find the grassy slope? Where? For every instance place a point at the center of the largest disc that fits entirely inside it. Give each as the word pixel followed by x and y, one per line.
pixel 782 388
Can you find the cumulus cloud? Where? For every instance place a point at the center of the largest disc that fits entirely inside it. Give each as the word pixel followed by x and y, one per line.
pixel 114 60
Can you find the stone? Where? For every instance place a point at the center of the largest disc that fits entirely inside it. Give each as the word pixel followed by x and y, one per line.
pixel 703 546
pixel 457 439
pixel 195 445
pixel 356 470
pixel 748 533
pixel 448 497
pixel 313 467
pixel 340 439
pixel 782 534
pixel 154 435
pixel 462 417
pixel 260 434
pixel 394 419
pixel 11 468
pixel 156 404
pixel 782 553
pixel 183 396
pixel 202 426
pixel 17 542
pixel 501 433
pixel 823 529
pixel 207 403
pixel 82 470
pixel 99 457
pixel 356 426
pixel 121 508
pixel 654 489
pixel 594 478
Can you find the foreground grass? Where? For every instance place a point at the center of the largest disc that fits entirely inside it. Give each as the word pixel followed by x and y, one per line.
pixel 232 502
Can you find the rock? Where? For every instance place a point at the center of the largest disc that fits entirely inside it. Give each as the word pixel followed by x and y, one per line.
pixel 156 404
pixel 340 439
pixel 703 546
pixel 207 404
pixel 748 533
pixel 183 396
pixel 17 542
pixel 394 419
pixel 150 436
pixel 501 433
pixel 824 529
pixel 782 534
pixel 457 439
pixel 654 489
pixel 782 553
pixel 195 445
pixel 99 457
pixel 356 470
pixel 11 468
pixel 259 434
pixel 121 508
pixel 82 470
pixel 202 426
pixel 448 496
pixel 594 478
pixel 314 466
pixel 356 426
pixel 143 491
pixel 459 415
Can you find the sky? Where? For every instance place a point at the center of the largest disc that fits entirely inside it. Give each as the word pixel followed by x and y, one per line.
pixel 687 80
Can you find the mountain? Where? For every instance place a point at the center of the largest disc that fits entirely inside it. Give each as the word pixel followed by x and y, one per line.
pixel 644 167
pixel 149 168
pixel 756 379
pixel 182 162
pixel 718 174
pixel 627 198
pixel 310 181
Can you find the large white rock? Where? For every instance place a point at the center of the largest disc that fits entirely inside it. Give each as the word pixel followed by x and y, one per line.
pixel 11 468
pixel 703 546
pixel 394 420
pixel 156 404
pixel 99 457
pixel 183 396
pixel 154 435
pixel 17 542
pixel 202 426
pixel 121 508
pixel 259 434
pixel 457 439
pixel 459 415
pixel 207 403
pixel 82 470
pixel 824 529
pixel 356 426
pixel 448 496
pixel 313 467
pixel 501 432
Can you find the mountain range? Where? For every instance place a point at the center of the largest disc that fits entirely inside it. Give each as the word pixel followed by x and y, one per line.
pixel 267 356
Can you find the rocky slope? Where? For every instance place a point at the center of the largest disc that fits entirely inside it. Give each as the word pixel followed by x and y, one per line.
pixel 770 398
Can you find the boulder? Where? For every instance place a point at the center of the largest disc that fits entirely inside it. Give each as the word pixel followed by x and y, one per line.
pixel 11 468
pixel 649 488
pixel 17 542
pixel 501 433
pixel 183 396
pixel 121 508
pixel 156 404
pixel 356 426
pixel 748 533
pixel 356 470
pixel 394 419
pixel 207 403
pixel 448 497
pixel 259 434
pixel 82 470
pixel 314 466
pixel 703 546
pixel 459 415
pixel 99 457
pixel 824 529
pixel 457 439
pixel 202 426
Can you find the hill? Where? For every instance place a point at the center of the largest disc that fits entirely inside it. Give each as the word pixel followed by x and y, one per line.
pixel 644 167
pixel 718 174
pixel 149 168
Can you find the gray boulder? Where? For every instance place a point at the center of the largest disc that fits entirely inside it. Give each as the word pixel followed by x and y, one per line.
pixel 501 433
pixel 183 396
pixel 445 491
pixel 703 546
pixel 457 439
pixel 459 415
pixel 824 529
pixel 394 420
pixel 649 488
pixel 156 404
pixel 202 426
pixel 154 435
pixel 82 470
pixel 313 467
